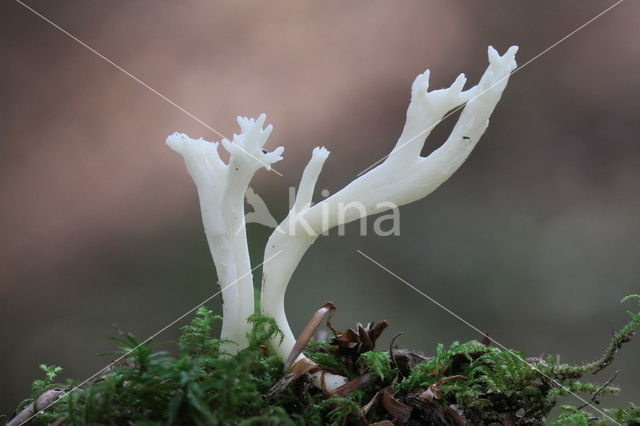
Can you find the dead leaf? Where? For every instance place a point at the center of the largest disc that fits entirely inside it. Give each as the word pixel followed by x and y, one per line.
pixel 355 384
pixel 400 412
pixel 457 418
pixel 351 343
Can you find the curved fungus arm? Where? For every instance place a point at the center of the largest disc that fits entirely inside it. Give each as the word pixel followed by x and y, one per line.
pixel 402 178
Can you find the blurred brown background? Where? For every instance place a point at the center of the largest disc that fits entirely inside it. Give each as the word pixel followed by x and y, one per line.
pixel 535 239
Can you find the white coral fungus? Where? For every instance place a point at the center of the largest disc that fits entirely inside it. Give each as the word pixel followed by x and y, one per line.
pixel 403 177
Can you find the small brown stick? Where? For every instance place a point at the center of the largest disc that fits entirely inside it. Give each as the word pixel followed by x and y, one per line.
pixel 373 403
pixel 597 392
pixel 307 333
pixel 391 354
pixel 41 402
pixel 486 339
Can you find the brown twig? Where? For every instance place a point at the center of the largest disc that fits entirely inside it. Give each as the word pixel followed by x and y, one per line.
pixel 41 402
pixel 601 388
pixel 392 355
pixel 307 333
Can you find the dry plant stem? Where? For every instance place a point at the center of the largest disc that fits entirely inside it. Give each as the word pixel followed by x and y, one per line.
pixel 392 356
pixel 308 332
pixel 41 402
pixel 402 178
pixel 598 392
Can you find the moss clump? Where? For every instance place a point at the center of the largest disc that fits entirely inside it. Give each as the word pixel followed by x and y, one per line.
pixel 378 363
pixel 488 385
pixel 200 386
pixel 577 417
pixel 465 383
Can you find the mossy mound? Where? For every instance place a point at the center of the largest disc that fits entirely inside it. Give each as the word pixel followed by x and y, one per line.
pixel 472 383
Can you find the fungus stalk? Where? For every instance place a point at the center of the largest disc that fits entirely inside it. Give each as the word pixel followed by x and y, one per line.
pixel 402 178
pixel 221 190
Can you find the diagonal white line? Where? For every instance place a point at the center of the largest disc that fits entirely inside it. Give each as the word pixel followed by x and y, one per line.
pixel 148 339
pixel 503 347
pixel 458 108
pixel 136 79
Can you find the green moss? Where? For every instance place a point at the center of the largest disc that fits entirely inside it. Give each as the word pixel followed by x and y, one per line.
pixel 378 363
pixel 50 373
pixel 630 415
pixel 202 385
pixel 39 386
pixel 329 361
pixel 496 384
pixel 196 337
pixel 575 416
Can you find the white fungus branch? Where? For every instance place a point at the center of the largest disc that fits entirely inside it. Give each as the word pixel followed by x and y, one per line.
pixel 221 190
pixel 402 178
